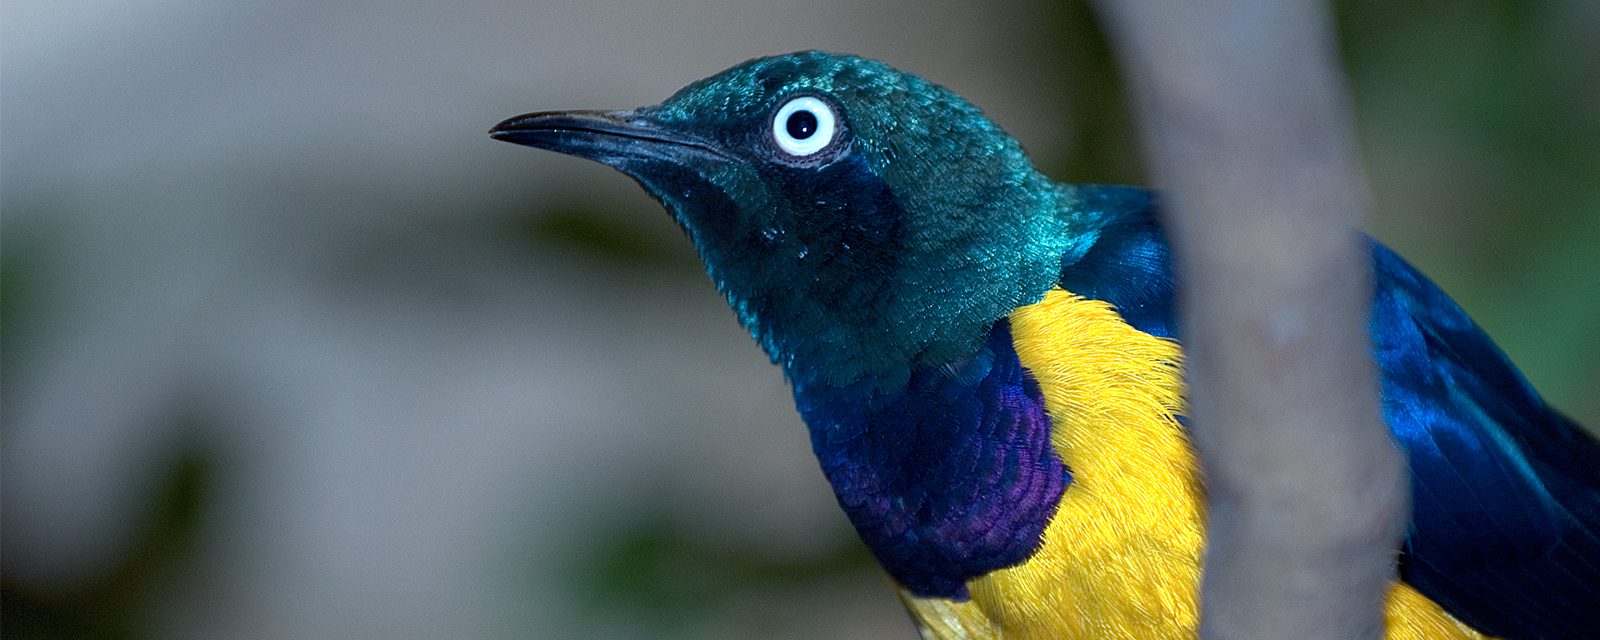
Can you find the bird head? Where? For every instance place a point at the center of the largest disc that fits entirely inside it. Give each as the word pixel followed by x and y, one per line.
pixel 860 220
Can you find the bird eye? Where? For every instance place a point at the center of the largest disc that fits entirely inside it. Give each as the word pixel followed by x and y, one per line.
pixel 803 126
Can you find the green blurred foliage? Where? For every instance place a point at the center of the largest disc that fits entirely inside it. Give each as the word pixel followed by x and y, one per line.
pixel 1481 130
pixel 113 605
pixel 1105 146
pixel 20 272
pixel 593 235
pixel 655 573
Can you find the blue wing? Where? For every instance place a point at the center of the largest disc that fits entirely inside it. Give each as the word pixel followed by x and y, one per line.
pixel 1505 527
pixel 1505 531
pixel 1130 264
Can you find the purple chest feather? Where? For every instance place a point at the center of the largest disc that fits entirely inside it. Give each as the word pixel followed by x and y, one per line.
pixel 949 478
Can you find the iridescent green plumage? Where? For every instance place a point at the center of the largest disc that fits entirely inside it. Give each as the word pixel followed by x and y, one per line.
pixel 820 262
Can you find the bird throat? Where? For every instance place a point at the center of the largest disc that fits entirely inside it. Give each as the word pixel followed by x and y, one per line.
pixel 949 478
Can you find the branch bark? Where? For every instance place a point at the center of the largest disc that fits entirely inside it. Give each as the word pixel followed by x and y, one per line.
pixel 1246 124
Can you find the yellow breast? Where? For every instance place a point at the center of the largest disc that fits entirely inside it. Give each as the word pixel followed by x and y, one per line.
pixel 1121 557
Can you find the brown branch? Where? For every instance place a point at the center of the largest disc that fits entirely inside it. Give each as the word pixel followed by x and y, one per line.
pixel 1246 124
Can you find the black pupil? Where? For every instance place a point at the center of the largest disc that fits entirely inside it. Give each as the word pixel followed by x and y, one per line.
pixel 801 124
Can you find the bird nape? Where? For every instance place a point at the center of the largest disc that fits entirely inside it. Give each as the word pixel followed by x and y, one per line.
pixel 991 374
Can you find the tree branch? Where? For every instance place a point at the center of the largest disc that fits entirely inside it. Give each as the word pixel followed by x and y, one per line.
pixel 1246 124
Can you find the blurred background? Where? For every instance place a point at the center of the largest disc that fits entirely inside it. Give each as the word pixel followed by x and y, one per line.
pixel 291 348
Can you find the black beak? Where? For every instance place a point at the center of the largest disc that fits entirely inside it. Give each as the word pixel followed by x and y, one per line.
pixel 605 136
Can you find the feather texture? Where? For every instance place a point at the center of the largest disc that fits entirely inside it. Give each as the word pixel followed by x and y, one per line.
pixel 1506 491
pixel 1013 453
pixel 1121 557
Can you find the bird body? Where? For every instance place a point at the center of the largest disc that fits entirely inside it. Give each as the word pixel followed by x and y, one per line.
pixel 991 372
pixel 1121 557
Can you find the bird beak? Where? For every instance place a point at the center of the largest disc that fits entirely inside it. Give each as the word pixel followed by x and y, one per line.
pixel 610 137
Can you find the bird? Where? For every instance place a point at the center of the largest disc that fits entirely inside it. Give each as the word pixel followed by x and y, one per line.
pixel 991 373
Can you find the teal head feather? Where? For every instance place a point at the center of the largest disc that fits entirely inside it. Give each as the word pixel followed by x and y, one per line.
pixel 861 221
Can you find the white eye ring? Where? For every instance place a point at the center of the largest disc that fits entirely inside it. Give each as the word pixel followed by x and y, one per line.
pixel 803 126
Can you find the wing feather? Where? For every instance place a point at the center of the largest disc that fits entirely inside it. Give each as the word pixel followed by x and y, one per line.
pixel 1505 531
